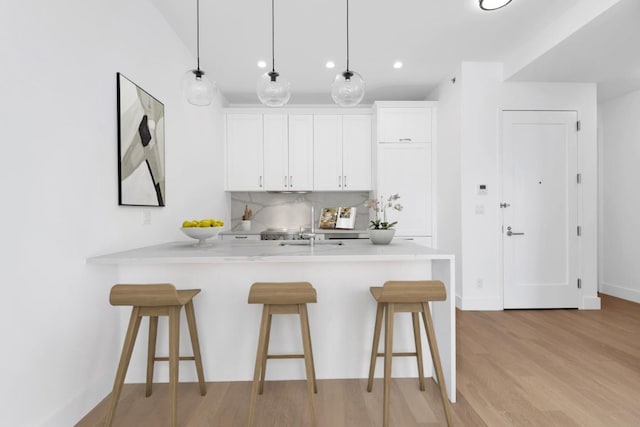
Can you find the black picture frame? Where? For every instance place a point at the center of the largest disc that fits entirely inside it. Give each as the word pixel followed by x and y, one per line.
pixel 141 159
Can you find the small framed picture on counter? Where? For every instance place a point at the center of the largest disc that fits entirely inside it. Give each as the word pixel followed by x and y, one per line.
pixel 328 218
pixel 340 217
pixel 346 218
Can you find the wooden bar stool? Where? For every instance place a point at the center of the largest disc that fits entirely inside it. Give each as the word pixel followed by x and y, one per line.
pixel 282 298
pixel 155 300
pixel 407 297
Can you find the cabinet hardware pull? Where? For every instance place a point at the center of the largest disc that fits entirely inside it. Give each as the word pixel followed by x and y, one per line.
pixel 405 139
pixel 260 181
pixel 339 181
pixel 242 237
pixel 290 181
pixel 344 179
pixel 285 181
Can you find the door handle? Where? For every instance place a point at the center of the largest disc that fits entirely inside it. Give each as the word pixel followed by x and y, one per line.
pixel 339 181
pixel 344 180
pixel 511 233
pixel 285 181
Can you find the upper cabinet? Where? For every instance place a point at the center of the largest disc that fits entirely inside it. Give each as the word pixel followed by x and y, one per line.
pixel 244 152
pixel 298 150
pixel 288 152
pixel 342 152
pixel 411 122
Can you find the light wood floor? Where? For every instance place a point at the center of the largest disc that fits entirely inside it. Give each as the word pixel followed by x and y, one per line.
pixel 515 368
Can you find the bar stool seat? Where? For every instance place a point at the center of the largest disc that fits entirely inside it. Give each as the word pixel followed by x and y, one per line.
pixel 407 297
pixel 155 300
pixel 282 298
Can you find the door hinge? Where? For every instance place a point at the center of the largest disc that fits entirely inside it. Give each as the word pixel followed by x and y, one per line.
pixel 579 178
pixel 579 231
pixel 579 283
pixel 578 125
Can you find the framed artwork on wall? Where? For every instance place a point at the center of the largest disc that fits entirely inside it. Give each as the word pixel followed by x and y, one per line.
pixel 141 180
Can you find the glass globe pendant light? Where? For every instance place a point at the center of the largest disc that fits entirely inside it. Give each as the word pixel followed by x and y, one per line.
pixel 272 89
pixel 197 88
pixel 347 89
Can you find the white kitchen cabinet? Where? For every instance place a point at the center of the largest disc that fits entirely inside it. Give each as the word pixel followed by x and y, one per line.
pixel 301 152
pixel 342 152
pixel 405 169
pixel 244 154
pixel 288 152
pixel 404 124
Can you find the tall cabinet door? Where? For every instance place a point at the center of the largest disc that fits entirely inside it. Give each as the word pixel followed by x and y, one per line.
pixel 356 152
pixel 405 169
pixel 327 152
pixel 300 176
pixel 244 152
pixel 276 152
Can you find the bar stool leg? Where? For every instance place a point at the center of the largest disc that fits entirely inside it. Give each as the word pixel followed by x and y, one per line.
pixel 195 345
pixel 418 341
pixel 174 357
pixel 435 355
pixel 306 344
pixel 313 365
pixel 376 343
pixel 263 370
pixel 151 353
pixel 123 365
pixel 388 353
pixel 260 355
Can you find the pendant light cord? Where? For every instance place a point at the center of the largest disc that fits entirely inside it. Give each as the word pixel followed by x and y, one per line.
pixel 347 35
pixel 273 37
pixel 198 32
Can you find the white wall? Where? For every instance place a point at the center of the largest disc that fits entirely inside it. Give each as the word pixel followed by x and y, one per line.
pixel 61 338
pixel 447 192
pixel 620 147
pixel 483 97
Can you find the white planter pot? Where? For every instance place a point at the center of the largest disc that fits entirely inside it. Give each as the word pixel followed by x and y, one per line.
pixel 381 237
pixel 245 225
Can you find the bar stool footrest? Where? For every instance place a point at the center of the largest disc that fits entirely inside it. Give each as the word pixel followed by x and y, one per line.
pixel 285 356
pixel 166 359
pixel 398 354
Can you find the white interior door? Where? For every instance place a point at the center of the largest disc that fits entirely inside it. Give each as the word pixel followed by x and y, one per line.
pixel 540 209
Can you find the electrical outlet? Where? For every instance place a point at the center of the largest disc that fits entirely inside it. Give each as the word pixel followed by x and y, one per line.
pixel 146 216
pixel 479 209
pixel 479 283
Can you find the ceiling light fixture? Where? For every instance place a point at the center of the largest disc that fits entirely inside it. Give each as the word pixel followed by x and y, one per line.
pixel 273 90
pixel 347 89
pixel 262 64
pixel 197 88
pixel 493 4
pixel 397 65
pixel 330 64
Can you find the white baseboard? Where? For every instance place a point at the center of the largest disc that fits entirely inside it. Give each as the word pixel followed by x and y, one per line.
pixel 590 303
pixel 620 292
pixel 479 304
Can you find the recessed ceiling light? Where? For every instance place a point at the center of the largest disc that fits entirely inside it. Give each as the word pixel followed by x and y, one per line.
pixel 330 64
pixel 493 4
pixel 262 64
pixel 397 65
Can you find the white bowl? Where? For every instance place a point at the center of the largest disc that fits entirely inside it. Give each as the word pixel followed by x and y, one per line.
pixel 201 233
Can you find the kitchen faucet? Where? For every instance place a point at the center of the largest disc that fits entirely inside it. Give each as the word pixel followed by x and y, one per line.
pixel 311 235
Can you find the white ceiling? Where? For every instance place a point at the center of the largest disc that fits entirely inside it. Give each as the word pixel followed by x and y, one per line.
pixel 431 38
pixel 605 50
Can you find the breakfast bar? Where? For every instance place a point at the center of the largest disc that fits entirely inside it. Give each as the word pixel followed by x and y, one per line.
pixel 342 321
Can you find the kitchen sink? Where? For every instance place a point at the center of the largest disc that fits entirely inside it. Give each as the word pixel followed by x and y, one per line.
pixel 308 243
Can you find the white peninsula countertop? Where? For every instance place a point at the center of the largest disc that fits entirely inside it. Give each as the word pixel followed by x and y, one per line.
pixel 219 251
pixel 342 320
